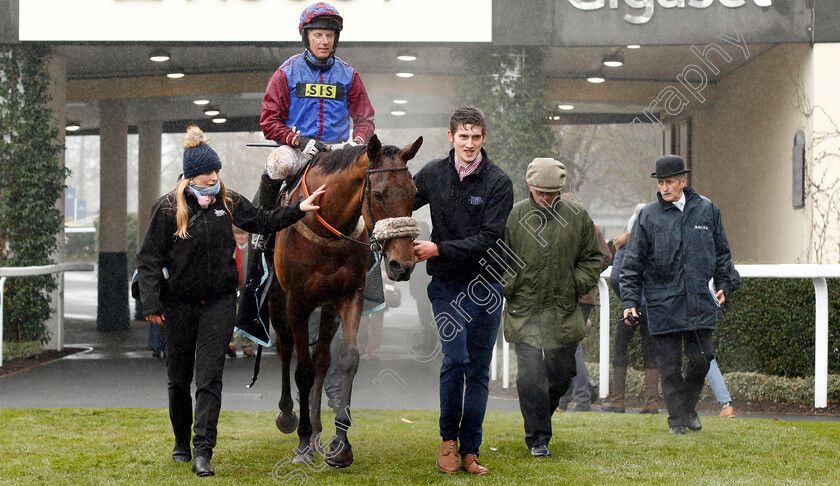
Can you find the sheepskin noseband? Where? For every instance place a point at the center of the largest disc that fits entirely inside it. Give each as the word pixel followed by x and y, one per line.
pixel 390 228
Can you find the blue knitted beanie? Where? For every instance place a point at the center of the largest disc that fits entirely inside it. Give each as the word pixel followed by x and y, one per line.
pixel 199 158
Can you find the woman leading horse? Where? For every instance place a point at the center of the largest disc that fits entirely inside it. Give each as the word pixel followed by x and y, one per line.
pixel 321 262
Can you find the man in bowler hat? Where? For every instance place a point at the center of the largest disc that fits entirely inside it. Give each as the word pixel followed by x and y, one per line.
pixel 678 257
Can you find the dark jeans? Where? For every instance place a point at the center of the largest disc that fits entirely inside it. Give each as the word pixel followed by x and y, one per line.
pixel 543 377
pixel 681 389
pixel 467 344
pixel 623 335
pixel 197 337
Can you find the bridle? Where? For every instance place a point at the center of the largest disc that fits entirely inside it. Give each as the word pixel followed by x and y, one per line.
pixel 375 246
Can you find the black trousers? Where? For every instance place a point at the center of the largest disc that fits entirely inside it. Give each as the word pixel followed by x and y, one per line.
pixel 682 389
pixel 623 335
pixel 543 377
pixel 197 336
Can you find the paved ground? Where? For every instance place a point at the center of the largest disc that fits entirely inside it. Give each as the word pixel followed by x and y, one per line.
pixel 116 370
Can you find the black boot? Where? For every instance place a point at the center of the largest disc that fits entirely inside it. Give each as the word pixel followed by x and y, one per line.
pixel 268 197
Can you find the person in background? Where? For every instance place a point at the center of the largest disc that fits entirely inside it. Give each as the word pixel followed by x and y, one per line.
pixel 583 388
pixel 624 331
pixel 240 255
pixel 187 283
pixel 718 386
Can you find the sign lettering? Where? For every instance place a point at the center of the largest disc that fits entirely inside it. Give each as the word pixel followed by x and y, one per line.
pixel 641 11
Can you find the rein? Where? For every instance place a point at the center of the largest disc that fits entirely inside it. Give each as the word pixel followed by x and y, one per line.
pixel 374 245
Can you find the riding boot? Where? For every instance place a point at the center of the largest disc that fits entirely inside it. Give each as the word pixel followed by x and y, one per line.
pixel 615 402
pixel 250 311
pixel 268 195
pixel 651 391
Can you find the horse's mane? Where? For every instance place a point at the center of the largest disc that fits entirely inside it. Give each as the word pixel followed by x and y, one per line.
pixel 340 160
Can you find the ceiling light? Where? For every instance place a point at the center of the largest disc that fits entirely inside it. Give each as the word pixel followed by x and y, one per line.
pixel 219 120
pixel 159 55
pixel 72 126
pixel 613 61
pixel 566 107
pixel 555 117
pixel 201 102
pixel 400 102
pixel 633 46
pixel 405 75
pixel 175 75
pixel 595 78
pixel 407 56
pixel 211 111
pixel 397 112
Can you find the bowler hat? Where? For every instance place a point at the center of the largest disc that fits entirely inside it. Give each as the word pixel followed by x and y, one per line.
pixel 546 174
pixel 669 165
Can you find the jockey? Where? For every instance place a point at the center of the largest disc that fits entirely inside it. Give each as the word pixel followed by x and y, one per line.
pixel 310 100
pixel 307 108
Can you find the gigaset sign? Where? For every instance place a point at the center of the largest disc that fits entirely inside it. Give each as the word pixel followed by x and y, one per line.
pixel 641 11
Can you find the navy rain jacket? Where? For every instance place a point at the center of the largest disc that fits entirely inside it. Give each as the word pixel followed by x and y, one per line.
pixel 671 256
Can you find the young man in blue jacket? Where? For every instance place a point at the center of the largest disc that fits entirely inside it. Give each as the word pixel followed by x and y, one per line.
pixel 469 198
pixel 679 257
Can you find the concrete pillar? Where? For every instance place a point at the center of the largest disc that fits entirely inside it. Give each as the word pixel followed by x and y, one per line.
pixel 57 70
pixel 148 177
pixel 112 311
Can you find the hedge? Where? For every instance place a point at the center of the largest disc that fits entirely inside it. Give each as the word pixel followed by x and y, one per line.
pixel 768 328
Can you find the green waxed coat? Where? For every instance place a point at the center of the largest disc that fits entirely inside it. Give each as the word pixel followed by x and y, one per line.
pixel 562 260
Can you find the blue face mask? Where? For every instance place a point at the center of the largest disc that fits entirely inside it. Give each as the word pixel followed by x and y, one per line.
pixel 206 191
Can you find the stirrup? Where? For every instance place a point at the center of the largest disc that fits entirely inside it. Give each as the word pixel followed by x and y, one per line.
pixel 258 241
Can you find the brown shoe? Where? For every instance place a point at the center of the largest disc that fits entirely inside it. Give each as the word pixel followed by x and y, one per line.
pixel 470 464
pixel 447 460
pixel 726 410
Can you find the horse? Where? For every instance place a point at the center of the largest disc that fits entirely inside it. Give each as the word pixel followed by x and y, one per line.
pixel 317 264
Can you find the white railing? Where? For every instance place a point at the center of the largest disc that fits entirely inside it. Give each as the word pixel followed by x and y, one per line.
pixel 817 273
pixel 6 272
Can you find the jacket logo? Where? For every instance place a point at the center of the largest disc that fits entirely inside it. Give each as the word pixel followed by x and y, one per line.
pixel 220 212
pixel 476 200
pixel 702 227
pixel 315 90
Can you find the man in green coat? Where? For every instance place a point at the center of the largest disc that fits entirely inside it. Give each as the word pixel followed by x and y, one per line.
pixel 556 240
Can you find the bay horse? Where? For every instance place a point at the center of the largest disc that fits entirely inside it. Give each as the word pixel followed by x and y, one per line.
pixel 367 188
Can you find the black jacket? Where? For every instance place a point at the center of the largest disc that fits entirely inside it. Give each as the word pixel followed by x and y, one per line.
pixel 671 256
pixel 200 268
pixel 468 217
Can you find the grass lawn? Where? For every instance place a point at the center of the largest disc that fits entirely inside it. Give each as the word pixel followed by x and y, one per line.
pixel 133 446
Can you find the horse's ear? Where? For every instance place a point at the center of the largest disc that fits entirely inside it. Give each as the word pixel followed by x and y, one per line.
pixel 374 149
pixel 409 151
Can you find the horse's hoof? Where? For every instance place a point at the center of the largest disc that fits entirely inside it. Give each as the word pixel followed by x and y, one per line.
pixel 339 458
pixel 308 458
pixel 331 462
pixel 287 423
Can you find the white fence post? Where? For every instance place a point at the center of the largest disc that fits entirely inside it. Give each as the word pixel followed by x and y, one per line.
pixel 821 343
pixel 505 363
pixel 40 270
pixel 604 335
pixel 2 294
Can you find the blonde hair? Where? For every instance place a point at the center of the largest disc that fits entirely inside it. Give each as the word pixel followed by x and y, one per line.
pixel 182 211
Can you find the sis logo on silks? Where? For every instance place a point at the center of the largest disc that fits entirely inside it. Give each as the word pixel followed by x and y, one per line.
pixel 476 200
